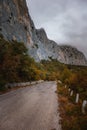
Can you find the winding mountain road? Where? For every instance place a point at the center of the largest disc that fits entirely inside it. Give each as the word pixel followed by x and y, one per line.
pixel 30 108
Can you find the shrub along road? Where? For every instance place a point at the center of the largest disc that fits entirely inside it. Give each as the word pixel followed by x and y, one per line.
pixel 30 108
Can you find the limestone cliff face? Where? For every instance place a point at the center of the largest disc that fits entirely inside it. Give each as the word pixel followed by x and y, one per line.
pixel 72 56
pixel 15 20
pixel 16 24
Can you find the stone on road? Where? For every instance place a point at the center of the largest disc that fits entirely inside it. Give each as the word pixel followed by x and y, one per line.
pixel 30 108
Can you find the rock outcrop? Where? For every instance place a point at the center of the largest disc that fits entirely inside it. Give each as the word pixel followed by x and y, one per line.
pixel 16 24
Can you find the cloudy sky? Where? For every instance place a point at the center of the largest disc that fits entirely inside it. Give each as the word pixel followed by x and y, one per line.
pixel 65 21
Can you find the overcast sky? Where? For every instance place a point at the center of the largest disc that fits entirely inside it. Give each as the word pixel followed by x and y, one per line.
pixel 65 21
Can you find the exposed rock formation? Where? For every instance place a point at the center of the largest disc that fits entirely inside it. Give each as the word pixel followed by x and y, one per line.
pixel 14 20
pixel 16 24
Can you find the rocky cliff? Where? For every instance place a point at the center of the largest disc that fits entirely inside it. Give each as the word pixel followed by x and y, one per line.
pixel 16 24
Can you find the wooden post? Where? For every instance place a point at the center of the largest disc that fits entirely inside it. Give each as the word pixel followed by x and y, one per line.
pixel 83 106
pixel 69 89
pixel 71 93
pixel 77 97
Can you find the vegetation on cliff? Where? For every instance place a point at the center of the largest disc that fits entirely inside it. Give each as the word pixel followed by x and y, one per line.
pixel 15 64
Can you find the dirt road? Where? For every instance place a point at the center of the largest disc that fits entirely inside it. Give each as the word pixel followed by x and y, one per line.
pixel 30 108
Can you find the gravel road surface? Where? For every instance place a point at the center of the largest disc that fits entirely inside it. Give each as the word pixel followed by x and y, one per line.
pixel 30 108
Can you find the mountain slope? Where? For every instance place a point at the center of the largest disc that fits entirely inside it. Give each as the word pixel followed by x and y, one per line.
pixel 16 24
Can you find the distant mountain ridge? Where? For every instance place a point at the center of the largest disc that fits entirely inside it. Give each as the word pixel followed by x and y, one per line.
pixel 16 24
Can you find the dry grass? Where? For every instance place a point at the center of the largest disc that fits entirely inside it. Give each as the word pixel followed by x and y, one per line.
pixel 71 115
